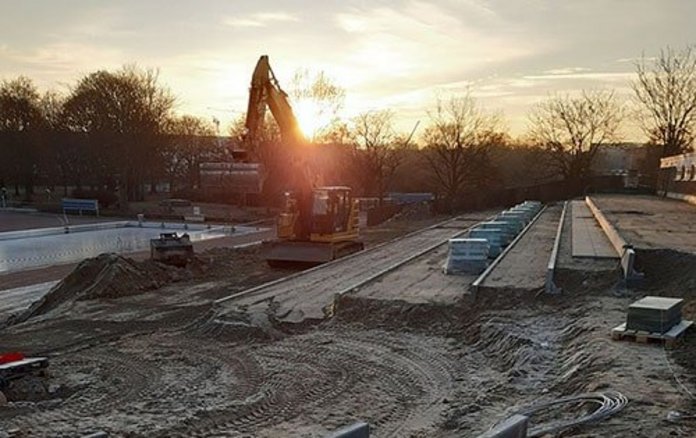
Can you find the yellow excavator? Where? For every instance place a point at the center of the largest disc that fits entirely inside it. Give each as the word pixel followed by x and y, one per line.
pixel 317 223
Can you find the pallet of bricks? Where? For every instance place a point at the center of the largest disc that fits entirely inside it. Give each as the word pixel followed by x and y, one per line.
pixel 653 319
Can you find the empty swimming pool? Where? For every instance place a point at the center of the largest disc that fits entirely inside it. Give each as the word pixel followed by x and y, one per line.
pixel 49 246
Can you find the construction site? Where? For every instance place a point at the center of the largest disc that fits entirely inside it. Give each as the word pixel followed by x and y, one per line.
pixel 229 347
pixel 275 280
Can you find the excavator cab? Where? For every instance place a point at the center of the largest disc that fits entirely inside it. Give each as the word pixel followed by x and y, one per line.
pixel 330 210
pixel 316 230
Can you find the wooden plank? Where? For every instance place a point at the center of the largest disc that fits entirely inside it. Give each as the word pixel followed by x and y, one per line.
pixel 588 239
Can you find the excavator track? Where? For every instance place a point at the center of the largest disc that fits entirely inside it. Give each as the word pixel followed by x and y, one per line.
pixel 290 254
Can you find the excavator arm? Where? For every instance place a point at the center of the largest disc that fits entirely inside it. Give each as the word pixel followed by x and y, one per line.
pixel 265 92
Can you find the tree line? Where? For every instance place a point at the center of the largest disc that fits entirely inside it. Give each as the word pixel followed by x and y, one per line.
pixel 114 132
pixel 118 132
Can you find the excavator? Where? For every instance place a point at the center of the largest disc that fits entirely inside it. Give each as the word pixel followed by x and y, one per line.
pixel 317 223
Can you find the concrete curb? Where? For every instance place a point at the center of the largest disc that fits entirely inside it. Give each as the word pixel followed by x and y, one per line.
pixel 622 248
pixel 550 287
pixel 253 290
pixel 408 260
pixel 690 199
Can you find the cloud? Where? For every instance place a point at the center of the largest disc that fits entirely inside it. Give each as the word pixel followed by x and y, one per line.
pixel 260 19
pixel 421 42
pixel 566 70
pixel 598 76
pixel 635 59
pixel 60 60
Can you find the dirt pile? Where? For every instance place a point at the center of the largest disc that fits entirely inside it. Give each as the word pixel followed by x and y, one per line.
pixel 403 316
pixel 105 276
pixel 668 272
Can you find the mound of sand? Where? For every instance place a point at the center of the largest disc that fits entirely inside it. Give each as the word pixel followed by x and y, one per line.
pixel 105 276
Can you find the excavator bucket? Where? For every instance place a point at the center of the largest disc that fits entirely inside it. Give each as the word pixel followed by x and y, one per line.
pixel 286 253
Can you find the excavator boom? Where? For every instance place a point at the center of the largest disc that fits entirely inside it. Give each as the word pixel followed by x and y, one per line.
pixel 265 92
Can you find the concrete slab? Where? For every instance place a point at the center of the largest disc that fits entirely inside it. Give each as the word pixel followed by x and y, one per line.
pixel 588 239
pixel 567 263
pixel 420 281
pixel 651 222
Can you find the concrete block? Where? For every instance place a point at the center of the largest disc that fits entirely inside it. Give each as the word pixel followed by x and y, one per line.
pixel 357 430
pixel 513 427
pixel 517 222
pixel 654 314
pixel 467 256
pixel 528 212
pixel 496 237
pixel 512 214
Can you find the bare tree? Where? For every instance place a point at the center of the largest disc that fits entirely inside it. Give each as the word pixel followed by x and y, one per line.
pixel 21 125
pixel 572 129
pixel 124 114
pixel 323 97
pixel 457 143
pixel 666 90
pixel 377 150
pixel 191 140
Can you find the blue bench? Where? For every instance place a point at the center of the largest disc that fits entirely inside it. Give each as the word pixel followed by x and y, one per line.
pixel 71 204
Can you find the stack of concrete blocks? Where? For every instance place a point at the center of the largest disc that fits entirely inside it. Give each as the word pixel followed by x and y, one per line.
pixel 508 228
pixel 527 212
pixel 496 237
pixel 519 218
pixel 467 256
pixel 654 314
pixel 528 207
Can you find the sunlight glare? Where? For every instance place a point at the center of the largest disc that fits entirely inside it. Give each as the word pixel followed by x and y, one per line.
pixel 311 117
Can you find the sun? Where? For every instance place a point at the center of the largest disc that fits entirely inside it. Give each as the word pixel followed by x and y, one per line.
pixel 311 117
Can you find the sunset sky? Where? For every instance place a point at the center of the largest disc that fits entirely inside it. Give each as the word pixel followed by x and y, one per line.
pixel 386 54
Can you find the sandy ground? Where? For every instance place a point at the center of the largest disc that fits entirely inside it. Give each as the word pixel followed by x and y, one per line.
pixel 650 222
pixel 155 362
pixel 419 281
pixel 524 266
pixel 307 297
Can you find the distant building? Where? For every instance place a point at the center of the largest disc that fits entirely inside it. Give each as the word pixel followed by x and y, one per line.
pixel 677 177
pixel 635 163
pixel 619 158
